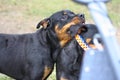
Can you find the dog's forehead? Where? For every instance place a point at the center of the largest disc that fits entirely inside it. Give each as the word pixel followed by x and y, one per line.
pixel 67 12
pixel 61 13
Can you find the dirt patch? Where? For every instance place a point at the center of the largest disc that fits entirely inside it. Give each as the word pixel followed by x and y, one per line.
pixel 15 22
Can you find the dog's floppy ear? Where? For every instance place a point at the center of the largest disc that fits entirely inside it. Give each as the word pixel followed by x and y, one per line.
pixel 44 23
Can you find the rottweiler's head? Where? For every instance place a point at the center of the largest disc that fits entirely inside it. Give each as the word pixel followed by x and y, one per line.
pixel 87 32
pixel 59 24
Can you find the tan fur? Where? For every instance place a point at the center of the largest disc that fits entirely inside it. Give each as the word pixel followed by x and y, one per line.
pixel 88 40
pixel 47 71
pixel 62 34
pixel 92 46
pixel 63 78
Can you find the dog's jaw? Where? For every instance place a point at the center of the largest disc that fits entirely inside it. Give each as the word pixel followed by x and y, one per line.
pixel 62 34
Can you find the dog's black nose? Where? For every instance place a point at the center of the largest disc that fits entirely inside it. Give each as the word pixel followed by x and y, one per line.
pixel 81 15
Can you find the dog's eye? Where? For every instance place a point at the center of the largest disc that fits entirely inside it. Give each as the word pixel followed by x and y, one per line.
pixel 64 17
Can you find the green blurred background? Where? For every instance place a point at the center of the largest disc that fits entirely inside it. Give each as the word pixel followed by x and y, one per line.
pixel 21 16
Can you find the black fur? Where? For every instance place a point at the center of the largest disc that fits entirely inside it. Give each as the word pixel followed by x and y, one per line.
pixel 69 59
pixel 27 56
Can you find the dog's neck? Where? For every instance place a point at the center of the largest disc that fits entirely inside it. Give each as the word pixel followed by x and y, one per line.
pixel 48 38
pixel 52 39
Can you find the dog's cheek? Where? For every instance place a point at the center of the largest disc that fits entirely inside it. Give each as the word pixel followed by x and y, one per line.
pixel 62 35
pixel 64 38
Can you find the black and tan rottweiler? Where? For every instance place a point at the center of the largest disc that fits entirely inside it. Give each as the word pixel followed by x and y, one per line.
pixel 69 58
pixel 29 56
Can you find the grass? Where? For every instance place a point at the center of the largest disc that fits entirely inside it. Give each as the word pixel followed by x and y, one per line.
pixel 43 8
pixel 3 77
pixel 114 12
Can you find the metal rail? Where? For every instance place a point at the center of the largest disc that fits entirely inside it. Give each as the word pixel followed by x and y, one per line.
pixel 99 13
